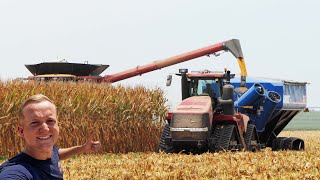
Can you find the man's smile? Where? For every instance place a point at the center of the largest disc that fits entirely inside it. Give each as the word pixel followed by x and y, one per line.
pixel 44 137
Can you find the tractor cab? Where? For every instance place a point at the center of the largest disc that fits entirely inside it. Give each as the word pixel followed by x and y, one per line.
pixel 202 83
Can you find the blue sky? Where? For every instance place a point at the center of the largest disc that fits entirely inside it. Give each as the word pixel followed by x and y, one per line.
pixel 279 39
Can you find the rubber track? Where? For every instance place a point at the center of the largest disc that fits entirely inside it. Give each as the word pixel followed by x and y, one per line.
pixel 225 136
pixel 162 144
pixel 249 136
pixel 215 136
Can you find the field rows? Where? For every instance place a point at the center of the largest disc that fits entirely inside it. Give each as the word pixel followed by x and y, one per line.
pixel 266 164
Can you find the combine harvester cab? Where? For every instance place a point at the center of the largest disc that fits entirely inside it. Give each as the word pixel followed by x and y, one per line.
pixel 271 105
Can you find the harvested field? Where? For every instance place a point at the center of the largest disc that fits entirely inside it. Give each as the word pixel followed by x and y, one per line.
pixel 266 164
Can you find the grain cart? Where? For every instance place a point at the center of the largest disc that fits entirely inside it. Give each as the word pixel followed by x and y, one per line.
pixel 218 111
pixel 287 98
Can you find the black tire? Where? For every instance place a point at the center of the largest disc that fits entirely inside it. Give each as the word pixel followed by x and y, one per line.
pixel 290 143
pixel 277 143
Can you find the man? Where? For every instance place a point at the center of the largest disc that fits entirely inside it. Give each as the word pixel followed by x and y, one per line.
pixel 40 158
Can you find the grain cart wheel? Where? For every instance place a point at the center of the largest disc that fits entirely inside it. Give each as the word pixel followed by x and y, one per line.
pixel 165 145
pixel 287 143
pixel 276 143
pixel 297 144
pixel 251 138
pixel 225 138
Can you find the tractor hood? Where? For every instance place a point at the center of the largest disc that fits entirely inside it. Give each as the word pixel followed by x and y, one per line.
pixel 195 111
pixel 195 104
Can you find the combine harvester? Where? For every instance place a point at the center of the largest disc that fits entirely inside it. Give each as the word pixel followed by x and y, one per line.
pixel 217 111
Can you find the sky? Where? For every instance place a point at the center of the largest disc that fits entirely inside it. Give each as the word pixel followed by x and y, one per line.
pixel 279 39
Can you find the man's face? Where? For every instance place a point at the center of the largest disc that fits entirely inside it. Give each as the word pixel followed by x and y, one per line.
pixel 39 128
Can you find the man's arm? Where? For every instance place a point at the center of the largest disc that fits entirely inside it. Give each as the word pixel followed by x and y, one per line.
pixel 89 146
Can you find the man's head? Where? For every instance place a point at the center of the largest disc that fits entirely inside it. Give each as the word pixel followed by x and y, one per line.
pixel 32 99
pixel 38 124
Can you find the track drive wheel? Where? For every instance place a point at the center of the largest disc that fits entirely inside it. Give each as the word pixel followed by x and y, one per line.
pixel 225 137
pixel 164 144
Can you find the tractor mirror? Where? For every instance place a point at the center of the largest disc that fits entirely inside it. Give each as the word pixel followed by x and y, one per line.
pixel 169 79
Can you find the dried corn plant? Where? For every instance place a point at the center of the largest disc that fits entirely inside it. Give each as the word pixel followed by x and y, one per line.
pixel 122 118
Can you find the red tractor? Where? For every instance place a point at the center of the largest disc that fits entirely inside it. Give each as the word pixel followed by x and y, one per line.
pixel 206 119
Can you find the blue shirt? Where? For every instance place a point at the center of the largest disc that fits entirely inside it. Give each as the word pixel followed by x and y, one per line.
pixel 24 166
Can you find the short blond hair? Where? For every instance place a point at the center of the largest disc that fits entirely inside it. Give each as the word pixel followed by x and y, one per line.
pixel 33 99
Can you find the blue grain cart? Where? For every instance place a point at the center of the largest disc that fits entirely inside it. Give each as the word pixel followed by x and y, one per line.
pixel 271 105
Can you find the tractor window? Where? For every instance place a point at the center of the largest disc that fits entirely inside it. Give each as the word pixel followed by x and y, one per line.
pixel 194 87
pixel 211 85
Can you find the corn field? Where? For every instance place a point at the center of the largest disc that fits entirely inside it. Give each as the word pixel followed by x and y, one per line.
pixel 123 119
